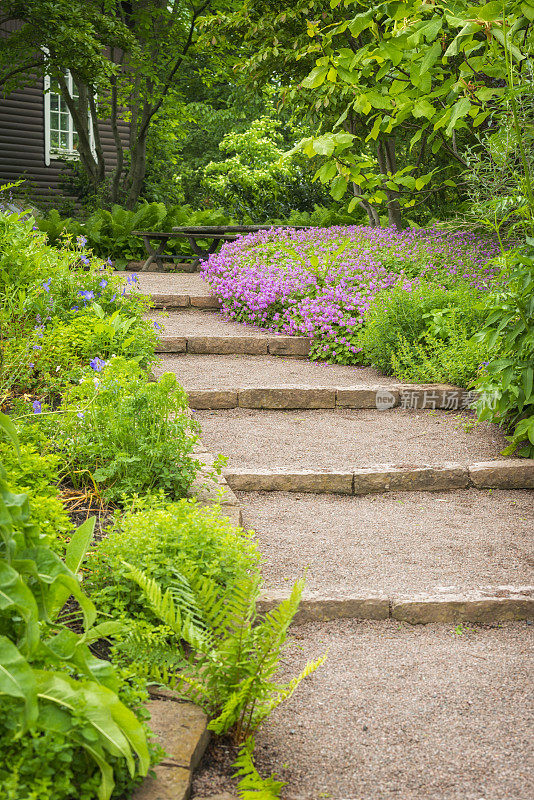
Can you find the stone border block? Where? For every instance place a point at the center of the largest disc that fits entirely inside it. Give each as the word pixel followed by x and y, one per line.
pixel 172 344
pixel 201 399
pixel 305 480
pixel 424 396
pixel 379 397
pixel 409 478
pixel 227 345
pixel 324 609
pixel 204 301
pixel 479 607
pixel 286 397
pixel 170 300
pixel 506 474
pixel 296 346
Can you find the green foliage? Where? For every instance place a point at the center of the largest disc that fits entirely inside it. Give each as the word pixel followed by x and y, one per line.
pixel 124 434
pixel 165 540
pixel 425 333
pixel 251 785
pixel 254 182
pixel 38 475
pixel 507 382
pixel 227 655
pixel 50 682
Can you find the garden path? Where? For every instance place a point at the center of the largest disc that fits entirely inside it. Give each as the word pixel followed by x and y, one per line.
pixel 434 712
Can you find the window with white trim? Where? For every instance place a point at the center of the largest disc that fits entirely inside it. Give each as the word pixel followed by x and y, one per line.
pixel 61 138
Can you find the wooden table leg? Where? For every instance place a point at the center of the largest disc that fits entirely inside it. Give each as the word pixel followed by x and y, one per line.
pixel 154 255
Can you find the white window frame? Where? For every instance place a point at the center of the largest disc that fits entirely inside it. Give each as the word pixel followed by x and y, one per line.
pixel 61 153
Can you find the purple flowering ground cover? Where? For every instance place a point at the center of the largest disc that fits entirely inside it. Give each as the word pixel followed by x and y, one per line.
pixel 320 282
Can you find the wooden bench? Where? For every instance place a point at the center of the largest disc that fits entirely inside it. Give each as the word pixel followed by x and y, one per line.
pixel 217 234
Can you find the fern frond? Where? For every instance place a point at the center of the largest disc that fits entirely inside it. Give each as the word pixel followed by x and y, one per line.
pixel 286 691
pixel 252 786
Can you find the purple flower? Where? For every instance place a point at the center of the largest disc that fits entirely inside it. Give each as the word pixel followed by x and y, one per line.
pixel 132 278
pixel 85 260
pixel 87 295
pixel 113 298
pixel 103 283
pixel 97 364
pixel 36 405
pixel 80 415
pixel 74 308
pixel 46 284
pixel 109 261
pixel 37 347
pixel 81 241
pixel 156 325
pixel 31 365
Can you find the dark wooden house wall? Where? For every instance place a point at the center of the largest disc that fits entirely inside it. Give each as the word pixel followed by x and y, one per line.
pixel 22 141
pixel 22 144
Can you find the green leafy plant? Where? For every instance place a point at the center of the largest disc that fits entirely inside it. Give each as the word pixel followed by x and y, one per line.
pixel 251 785
pixel 165 540
pixel 507 383
pixel 124 433
pixel 226 654
pixel 50 682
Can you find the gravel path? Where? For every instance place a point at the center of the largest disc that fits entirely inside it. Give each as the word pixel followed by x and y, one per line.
pixel 401 712
pixel 235 371
pixel 345 438
pixel 203 323
pixel 395 543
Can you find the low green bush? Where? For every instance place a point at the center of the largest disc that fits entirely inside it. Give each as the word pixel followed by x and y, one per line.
pixel 36 474
pixel 506 384
pixel 425 333
pixel 165 540
pixel 124 434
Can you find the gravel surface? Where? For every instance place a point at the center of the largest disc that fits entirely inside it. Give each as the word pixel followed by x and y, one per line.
pixel 345 438
pixel 399 543
pixel 168 283
pixel 203 323
pixel 402 712
pixel 236 371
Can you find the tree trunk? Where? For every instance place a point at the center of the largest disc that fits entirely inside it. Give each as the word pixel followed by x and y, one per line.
pixel 372 213
pixel 387 163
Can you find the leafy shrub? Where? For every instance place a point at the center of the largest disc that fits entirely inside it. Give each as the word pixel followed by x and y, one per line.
pixel 425 333
pixel 126 434
pixel 38 475
pixel 165 541
pixel 50 682
pixel 507 382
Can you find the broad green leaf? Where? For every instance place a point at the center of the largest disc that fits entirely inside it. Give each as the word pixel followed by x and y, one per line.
pixel 78 545
pixel 10 431
pixel 422 108
pixel 17 679
pixel 338 187
pixel 430 57
pixel 360 22
pixel 460 109
pixel 15 594
pixel 316 78
pixel 324 146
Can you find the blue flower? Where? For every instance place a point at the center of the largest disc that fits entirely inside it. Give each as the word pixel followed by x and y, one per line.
pixel 87 295
pixel 80 415
pixel 31 365
pixel 36 405
pixel 132 278
pixel 109 261
pixel 46 285
pixel 85 260
pixel 156 325
pixel 97 364
pixel 82 240
pixel 114 297
pixel 103 283
pixel 74 308
pixel 37 347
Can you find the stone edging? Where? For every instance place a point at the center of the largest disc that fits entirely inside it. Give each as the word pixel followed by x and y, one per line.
pixel 506 474
pixel 485 605
pixel 181 729
pixel 415 397
pixel 206 301
pixel 213 490
pixel 294 346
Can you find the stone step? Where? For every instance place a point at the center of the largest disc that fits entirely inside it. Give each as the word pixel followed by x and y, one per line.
pixel 343 439
pixel 172 290
pixel 414 712
pixel 409 397
pixel 380 478
pixel 448 543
